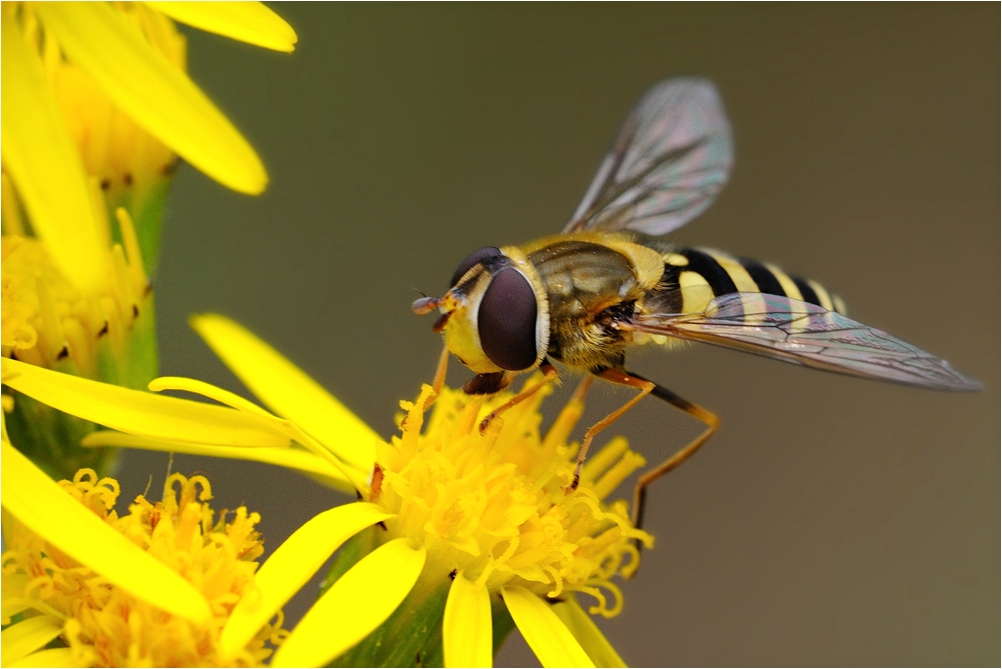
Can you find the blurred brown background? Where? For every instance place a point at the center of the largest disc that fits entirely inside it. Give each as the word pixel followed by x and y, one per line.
pixel 831 521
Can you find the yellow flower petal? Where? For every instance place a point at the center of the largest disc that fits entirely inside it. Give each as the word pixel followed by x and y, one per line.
pixel 358 602
pixel 545 633
pixel 357 476
pixel 163 383
pixel 143 413
pixel 467 632
pixel 12 606
pixel 288 391
pixel 51 657
pixel 292 458
pixel 47 510
pixel 249 22
pixel 587 633
pixel 292 565
pixel 27 636
pixel 42 160
pixel 157 95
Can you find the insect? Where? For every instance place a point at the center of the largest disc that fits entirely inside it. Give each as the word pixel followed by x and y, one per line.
pixel 610 281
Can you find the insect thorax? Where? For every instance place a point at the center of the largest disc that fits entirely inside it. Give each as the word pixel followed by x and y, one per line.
pixel 584 280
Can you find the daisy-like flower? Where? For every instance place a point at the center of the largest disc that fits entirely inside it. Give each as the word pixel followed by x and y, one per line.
pixel 151 588
pixel 98 91
pixel 95 105
pixel 456 535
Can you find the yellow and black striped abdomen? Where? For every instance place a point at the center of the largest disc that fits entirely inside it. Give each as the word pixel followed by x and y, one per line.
pixel 695 276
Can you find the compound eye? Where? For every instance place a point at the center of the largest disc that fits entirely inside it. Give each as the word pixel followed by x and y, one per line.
pixel 507 321
pixel 472 259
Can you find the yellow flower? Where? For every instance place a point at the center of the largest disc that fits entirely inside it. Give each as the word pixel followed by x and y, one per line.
pixel 454 531
pixel 98 91
pixel 153 587
pixel 95 104
pixel 101 622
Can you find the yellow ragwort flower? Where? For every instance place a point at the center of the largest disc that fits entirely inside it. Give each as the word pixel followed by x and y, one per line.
pixel 483 523
pixel 151 588
pixel 98 91
pixel 95 105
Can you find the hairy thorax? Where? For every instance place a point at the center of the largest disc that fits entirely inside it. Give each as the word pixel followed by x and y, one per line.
pixel 585 283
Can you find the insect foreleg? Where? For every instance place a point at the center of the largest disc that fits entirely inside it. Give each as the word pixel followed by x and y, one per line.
pixel 549 374
pixel 709 419
pixel 439 381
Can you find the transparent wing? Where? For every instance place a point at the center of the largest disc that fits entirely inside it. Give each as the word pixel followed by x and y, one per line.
pixel 672 157
pixel 804 334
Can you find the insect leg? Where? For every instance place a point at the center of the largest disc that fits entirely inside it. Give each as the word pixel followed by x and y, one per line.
pixel 549 374
pixel 439 381
pixel 699 413
pixel 582 390
pixel 443 365
pixel 623 379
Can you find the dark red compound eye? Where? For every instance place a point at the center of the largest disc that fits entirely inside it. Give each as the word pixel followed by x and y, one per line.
pixel 472 259
pixel 507 321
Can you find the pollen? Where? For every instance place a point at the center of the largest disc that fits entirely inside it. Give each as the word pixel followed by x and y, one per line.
pixel 106 626
pixel 495 506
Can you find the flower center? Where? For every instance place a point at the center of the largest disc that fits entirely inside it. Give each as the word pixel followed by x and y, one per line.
pixel 494 506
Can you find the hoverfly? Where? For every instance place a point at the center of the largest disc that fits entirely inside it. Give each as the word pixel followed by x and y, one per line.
pixel 610 280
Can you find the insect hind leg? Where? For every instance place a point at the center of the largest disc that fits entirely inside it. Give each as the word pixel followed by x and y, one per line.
pixel 678 457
